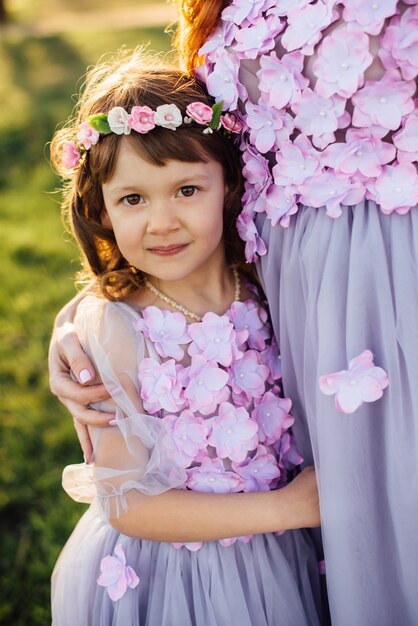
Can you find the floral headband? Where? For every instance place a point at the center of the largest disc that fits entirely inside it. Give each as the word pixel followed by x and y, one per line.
pixel 142 119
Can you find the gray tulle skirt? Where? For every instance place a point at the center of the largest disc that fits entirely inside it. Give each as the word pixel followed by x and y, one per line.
pixel 270 581
pixel 337 287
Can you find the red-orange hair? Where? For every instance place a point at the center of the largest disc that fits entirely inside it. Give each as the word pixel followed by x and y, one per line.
pixel 197 19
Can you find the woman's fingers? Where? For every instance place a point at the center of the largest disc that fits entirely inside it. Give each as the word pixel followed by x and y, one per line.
pixel 85 441
pixel 85 416
pixel 66 347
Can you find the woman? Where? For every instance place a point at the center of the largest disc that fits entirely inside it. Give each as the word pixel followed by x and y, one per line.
pixel 326 91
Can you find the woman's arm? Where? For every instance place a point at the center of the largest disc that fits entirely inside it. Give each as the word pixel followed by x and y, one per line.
pixel 66 355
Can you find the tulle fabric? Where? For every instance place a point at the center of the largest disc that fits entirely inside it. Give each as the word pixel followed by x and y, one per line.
pixel 336 287
pixel 141 463
pixel 270 581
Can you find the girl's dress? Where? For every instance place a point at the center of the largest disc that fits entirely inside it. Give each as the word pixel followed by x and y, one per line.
pixel 326 90
pixel 197 407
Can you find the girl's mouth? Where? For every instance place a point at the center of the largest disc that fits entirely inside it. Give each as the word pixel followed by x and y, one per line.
pixel 168 250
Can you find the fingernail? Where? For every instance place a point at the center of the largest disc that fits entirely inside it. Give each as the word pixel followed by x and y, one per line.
pixel 113 422
pixel 85 376
pixel 85 459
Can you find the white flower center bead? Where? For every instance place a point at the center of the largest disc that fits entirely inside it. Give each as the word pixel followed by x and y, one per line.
pixel 353 382
pixel 283 77
pixel 322 113
pixel 344 66
pixel 375 6
pixel 269 123
pixel 184 437
pixel 211 479
pixel 217 340
pixel 241 376
pixel 382 100
pixel 162 333
pixel 359 153
pixel 268 413
pixel 246 326
pixel 301 166
pixel 255 470
pixel 227 80
pixel 229 431
pixel 398 189
pixel 200 382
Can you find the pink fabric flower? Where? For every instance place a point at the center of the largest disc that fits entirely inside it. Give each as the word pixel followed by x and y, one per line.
pixel 396 188
pixel 272 359
pixel 363 152
pixel 222 37
pixel 242 10
pixel 252 319
pixel 232 123
pixel 168 116
pixel 211 477
pixel 296 161
pixel 384 102
pixel 118 120
pixel 343 56
pixel 87 135
pixel 362 382
pixel 167 330
pixel 233 433
pixel 207 385
pixel 278 202
pixel 215 338
pixel 406 140
pixel 142 119
pixel 116 575
pixel 256 168
pixel 160 386
pixel 305 26
pixel 268 126
pixel 369 16
pixel 248 376
pixel 282 80
pixel 185 435
pixel 272 416
pixel 259 471
pixel 320 117
pixel 259 37
pixel 192 546
pixel 287 452
pixel 200 112
pixel 325 189
pixel 222 82
pixel 71 155
pixel 399 44
pixel 247 230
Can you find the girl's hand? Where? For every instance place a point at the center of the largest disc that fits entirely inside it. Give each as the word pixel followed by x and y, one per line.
pixel 72 377
pixel 305 500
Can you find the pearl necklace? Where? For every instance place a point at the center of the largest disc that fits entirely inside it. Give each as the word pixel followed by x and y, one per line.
pixel 182 309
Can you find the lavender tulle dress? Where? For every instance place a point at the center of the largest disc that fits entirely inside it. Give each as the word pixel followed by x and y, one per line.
pixel 198 407
pixel 326 90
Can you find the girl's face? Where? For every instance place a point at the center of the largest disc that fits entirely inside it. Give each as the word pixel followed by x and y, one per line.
pixel 167 220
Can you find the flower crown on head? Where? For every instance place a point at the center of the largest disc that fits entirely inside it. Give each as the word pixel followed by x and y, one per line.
pixel 142 119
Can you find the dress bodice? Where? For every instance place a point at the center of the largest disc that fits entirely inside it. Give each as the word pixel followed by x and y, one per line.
pixel 215 386
pixel 326 90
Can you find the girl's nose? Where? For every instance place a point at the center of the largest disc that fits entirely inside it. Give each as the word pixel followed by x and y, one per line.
pixel 162 219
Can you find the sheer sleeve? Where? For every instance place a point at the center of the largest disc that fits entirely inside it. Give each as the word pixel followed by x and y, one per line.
pixel 129 458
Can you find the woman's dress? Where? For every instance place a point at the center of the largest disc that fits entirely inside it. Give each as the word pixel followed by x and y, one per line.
pixel 326 90
pixel 197 407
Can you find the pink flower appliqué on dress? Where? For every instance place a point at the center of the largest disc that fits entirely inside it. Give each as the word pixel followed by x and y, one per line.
pixel 167 330
pixel 215 338
pixel 362 382
pixel 185 436
pixel 160 386
pixel 258 471
pixel 233 433
pixel 116 575
pixel 272 416
pixel 207 385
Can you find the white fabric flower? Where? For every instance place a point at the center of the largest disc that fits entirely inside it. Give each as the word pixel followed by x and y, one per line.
pixel 168 116
pixel 117 118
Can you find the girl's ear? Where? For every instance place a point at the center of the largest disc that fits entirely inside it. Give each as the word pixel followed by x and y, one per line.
pixel 105 219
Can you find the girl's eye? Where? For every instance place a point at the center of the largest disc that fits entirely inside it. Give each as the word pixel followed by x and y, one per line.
pixel 132 200
pixel 188 191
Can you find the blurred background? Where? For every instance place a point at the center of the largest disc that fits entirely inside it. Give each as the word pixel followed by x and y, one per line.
pixel 45 47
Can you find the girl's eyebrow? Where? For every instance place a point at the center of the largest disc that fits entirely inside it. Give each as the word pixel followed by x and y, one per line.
pixel 185 180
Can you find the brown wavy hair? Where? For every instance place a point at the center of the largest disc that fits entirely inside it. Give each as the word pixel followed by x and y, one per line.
pixel 134 79
pixel 196 21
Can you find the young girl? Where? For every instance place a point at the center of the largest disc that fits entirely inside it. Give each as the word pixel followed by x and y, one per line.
pixel 185 505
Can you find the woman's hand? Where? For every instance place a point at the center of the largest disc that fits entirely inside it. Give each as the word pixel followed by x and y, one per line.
pixel 303 491
pixel 72 377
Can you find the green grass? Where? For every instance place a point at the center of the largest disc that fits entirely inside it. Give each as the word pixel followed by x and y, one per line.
pixel 37 262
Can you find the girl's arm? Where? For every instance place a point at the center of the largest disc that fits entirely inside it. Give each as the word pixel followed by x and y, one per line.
pixel 184 516
pixel 135 476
